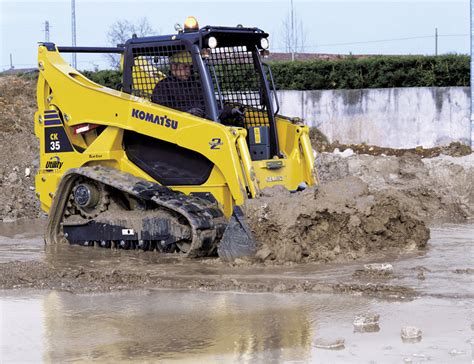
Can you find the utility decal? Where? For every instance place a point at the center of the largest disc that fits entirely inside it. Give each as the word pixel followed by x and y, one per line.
pixel 216 143
pixel 54 163
pixel 56 140
pixel 155 119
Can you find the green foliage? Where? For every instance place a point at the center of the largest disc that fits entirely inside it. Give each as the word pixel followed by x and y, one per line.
pixel 373 72
pixel 108 78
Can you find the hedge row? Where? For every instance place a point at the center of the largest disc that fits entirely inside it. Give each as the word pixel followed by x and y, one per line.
pixel 354 73
pixel 109 78
pixel 373 72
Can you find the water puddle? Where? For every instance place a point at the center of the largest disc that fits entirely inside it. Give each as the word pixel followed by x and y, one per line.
pixel 202 326
pixel 225 327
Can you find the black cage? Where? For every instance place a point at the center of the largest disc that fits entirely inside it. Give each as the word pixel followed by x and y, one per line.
pixel 237 81
pixel 167 75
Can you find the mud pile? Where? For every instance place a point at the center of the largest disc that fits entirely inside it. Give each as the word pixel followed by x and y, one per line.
pixel 341 220
pixel 18 149
pixel 322 145
pixel 438 189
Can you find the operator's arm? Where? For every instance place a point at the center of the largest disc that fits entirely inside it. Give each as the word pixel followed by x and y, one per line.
pixel 233 116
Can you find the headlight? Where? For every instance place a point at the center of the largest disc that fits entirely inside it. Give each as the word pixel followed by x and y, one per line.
pixel 264 43
pixel 212 42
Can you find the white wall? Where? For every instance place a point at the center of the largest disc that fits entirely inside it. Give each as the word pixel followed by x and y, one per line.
pixel 392 117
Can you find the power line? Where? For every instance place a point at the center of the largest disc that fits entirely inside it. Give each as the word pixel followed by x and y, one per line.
pixel 381 40
pixel 73 26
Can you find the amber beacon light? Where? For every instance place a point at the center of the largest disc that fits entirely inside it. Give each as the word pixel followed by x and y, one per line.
pixel 191 24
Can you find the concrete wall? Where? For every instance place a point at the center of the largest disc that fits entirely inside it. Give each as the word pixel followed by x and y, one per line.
pixel 394 117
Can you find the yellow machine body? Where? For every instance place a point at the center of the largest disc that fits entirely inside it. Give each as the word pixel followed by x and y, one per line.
pixel 67 100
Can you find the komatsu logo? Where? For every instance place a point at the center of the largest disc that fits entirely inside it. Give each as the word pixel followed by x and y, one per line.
pixel 155 119
pixel 54 163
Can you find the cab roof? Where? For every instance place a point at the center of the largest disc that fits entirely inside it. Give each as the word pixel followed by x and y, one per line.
pixel 226 36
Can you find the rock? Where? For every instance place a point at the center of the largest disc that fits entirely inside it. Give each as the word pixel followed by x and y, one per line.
pixel 383 268
pixel 411 334
pixel 263 253
pixel 331 344
pixel 12 177
pixel 368 322
pixel 454 352
pixel 27 172
pixel 347 153
pixel 279 288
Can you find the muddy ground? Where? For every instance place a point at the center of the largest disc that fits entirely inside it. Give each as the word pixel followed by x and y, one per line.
pixel 388 274
pixel 365 205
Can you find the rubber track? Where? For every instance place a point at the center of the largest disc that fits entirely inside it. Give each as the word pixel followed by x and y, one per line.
pixel 206 220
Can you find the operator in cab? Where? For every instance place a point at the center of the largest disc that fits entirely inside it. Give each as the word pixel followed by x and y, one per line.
pixel 180 90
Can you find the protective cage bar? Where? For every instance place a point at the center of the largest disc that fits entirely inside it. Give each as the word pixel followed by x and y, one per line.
pixel 237 82
pixel 66 49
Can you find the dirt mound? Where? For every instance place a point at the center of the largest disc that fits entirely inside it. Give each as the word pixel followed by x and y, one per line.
pixel 17 104
pixel 341 220
pixel 321 144
pixel 440 188
pixel 18 148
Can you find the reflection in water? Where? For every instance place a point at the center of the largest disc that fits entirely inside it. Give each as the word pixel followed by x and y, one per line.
pixel 171 325
pixel 224 327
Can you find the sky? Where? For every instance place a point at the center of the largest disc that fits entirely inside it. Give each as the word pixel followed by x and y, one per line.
pixel 337 26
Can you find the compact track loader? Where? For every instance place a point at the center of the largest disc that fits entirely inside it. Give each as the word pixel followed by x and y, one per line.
pixel 164 161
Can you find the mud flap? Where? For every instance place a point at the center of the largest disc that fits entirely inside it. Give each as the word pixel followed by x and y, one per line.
pixel 237 241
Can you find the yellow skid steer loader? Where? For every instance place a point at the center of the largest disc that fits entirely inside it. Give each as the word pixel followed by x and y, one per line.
pixel 165 161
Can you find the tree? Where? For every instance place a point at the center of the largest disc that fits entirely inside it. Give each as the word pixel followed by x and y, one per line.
pixel 293 33
pixel 123 30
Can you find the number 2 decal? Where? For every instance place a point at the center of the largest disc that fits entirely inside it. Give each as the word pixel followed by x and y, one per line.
pixel 216 143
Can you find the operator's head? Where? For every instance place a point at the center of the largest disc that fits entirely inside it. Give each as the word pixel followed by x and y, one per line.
pixel 181 64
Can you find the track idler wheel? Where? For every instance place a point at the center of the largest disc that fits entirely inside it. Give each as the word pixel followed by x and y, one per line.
pixel 90 198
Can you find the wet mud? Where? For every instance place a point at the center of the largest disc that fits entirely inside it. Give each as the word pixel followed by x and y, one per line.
pixel 94 269
pixel 436 189
pixel 338 221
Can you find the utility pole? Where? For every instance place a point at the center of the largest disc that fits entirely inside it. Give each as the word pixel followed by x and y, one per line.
pixel 472 74
pixel 436 41
pixel 11 62
pixel 46 31
pixel 73 24
pixel 292 33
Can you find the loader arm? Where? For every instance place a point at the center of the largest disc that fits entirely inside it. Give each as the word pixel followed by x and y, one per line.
pixel 81 101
